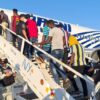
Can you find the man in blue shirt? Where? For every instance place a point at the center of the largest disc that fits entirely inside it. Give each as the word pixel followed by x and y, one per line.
pixel 45 47
pixel 46 30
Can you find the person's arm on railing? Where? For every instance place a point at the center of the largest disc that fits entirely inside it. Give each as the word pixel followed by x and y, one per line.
pixel 45 42
pixel 43 39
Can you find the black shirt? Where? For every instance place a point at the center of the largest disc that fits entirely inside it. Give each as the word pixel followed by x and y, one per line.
pixel 21 26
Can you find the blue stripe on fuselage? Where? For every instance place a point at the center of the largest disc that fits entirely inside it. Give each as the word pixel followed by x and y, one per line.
pixel 91 39
pixel 83 33
pixel 97 46
pixel 88 38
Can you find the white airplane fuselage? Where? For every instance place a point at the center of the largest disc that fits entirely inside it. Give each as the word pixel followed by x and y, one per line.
pixel 89 38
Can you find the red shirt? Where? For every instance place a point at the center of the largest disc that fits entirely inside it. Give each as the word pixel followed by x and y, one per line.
pixel 32 28
pixel 15 20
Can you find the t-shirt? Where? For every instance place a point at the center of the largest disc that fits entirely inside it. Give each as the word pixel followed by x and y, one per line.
pixel 4 17
pixel 57 38
pixel 32 28
pixel 15 22
pixel 21 26
pixel 46 30
pixel 79 59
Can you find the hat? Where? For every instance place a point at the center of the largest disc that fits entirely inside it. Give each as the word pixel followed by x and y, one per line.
pixel 73 40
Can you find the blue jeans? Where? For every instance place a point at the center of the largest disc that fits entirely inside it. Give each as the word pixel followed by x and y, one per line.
pixel 56 68
pixel 31 49
pixel 46 49
pixel 19 44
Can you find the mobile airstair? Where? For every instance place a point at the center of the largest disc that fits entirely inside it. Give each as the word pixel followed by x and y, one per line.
pixel 34 74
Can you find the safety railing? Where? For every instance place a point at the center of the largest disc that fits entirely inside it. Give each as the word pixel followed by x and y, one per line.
pixel 90 80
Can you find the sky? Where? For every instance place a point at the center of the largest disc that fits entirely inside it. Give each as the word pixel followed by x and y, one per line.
pixel 82 12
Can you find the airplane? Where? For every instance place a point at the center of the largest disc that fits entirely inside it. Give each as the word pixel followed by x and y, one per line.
pixel 89 38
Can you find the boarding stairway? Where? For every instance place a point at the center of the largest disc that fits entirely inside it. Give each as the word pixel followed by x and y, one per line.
pixel 36 75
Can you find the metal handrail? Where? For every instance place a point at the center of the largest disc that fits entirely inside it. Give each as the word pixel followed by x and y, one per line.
pixel 90 80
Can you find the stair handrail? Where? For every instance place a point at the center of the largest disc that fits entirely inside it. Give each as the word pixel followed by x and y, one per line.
pixel 90 80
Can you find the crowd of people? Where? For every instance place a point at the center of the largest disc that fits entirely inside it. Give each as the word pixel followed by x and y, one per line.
pixel 55 41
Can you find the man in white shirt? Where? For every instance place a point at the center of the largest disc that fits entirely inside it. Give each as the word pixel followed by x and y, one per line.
pixel 57 40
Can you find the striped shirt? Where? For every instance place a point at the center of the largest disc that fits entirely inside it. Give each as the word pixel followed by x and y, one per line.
pixel 79 55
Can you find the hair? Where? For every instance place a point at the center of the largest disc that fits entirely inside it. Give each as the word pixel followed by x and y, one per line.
pixel 22 15
pixel 46 22
pixel 15 10
pixel 59 25
pixel 27 16
pixel 50 22
pixel 2 11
